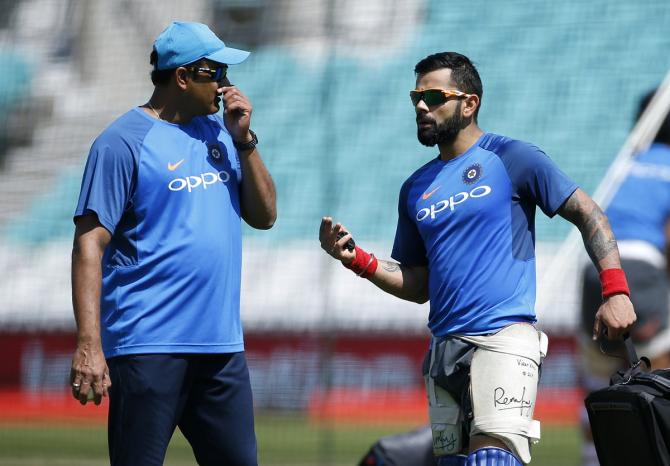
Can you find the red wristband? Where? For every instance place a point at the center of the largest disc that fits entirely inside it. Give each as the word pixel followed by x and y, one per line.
pixel 364 264
pixel 613 281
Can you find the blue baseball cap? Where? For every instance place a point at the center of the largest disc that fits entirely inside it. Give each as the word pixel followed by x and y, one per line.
pixel 182 43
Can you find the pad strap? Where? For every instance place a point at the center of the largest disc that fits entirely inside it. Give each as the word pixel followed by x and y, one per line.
pixel 511 345
pixel 510 425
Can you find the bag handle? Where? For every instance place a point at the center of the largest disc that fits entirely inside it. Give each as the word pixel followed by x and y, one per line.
pixel 636 364
pixel 631 354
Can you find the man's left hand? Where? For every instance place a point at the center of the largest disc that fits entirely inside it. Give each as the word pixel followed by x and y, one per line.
pixel 616 315
pixel 236 113
pixel 89 375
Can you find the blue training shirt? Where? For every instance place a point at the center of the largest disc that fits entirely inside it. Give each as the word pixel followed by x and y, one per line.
pixel 471 221
pixel 169 195
pixel 641 206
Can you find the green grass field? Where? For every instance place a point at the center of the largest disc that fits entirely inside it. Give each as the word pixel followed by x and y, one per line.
pixel 283 440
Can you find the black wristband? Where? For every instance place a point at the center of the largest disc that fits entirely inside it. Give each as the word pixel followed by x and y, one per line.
pixel 242 146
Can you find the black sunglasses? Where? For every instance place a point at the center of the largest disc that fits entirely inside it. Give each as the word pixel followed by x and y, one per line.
pixel 434 96
pixel 215 74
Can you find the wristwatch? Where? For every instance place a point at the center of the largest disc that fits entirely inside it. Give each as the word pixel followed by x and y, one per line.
pixel 242 146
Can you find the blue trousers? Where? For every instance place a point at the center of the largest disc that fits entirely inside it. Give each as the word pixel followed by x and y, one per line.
pixel 207 396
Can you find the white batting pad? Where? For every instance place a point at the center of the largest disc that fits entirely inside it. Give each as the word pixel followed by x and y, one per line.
pixel 504 378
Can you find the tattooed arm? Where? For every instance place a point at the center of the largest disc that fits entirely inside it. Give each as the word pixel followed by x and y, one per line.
pixel 616 313
pixel 408 283
pixel 584 213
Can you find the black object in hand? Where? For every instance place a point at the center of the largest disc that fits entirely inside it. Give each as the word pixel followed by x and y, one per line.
pixel 350 245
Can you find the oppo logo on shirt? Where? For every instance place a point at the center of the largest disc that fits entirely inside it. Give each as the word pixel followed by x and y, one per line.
pixel 451 202
pixel 203 180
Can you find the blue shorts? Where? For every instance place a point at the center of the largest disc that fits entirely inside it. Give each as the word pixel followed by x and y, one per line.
pixel 207 396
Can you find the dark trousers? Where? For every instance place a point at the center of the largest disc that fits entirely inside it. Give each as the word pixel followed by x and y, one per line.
pixel 207 396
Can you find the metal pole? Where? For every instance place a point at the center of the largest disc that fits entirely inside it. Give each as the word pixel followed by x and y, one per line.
pixel 327 337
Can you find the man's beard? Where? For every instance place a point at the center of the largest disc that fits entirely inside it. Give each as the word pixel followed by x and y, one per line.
pixel 444 133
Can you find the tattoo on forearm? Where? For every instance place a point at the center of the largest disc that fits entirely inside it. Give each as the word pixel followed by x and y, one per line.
pixel 593 225
pixel 600 242
pixel 390 266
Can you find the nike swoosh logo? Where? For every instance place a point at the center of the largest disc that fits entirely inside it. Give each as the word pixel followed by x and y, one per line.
pixel 427 195
pixel 173 166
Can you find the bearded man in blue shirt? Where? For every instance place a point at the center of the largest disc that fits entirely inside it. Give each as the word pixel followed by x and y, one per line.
pixel 465 240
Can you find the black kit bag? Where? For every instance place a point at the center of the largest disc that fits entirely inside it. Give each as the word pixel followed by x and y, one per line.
pixel 630 419
pixel 413 448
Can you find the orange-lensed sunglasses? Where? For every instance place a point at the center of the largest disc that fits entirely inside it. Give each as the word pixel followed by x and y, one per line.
pixel 434 96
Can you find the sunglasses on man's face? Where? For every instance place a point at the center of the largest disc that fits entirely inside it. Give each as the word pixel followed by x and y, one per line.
pixel 434 96
pixel 214 74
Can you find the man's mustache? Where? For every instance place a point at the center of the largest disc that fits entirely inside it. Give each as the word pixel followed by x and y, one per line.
pixel 420 121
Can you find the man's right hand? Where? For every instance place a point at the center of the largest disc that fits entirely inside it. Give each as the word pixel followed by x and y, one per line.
pixel 89 371
pixel 330 242
pixel 615 314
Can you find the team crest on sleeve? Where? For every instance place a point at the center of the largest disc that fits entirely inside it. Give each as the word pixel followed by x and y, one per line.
pixel 216 152
pixel 472 173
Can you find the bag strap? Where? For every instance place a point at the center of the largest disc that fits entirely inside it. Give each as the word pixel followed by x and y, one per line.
pixel 636 365
pixel 631 354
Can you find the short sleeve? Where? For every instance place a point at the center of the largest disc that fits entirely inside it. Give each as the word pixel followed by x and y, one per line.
pixel 536 177
pixel 107 181
pixel 408 247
